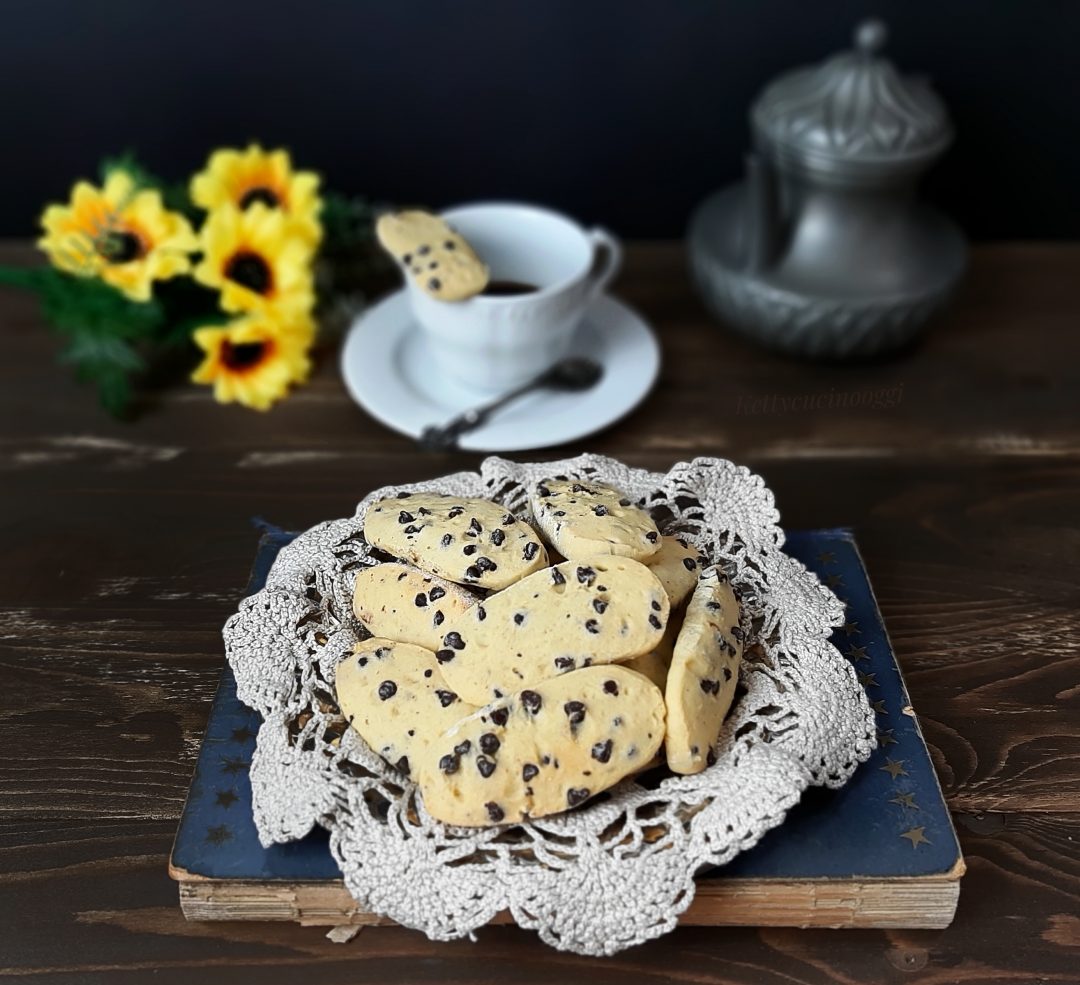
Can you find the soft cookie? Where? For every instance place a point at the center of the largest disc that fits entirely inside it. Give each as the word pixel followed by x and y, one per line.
pixel 439 260
pixel 654 664
pixel 581 518
pixel 403 603
pixel 543 749
pixel 703 674
pixel 465 540
pixel 677 565
pixel 394 696
pixel 594 611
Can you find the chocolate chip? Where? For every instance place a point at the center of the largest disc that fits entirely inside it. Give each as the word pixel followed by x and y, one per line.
pixel 485 766
pixel 689 563
pixel 727 673
pixel 576 795
pixel 545 760
pixel 412 528
pixel 575 711
pixel 404 517
pixel 387 690
pixel 599 605
pixel 450 245
pixel 462 747
pixel 446 698
pixel 383 651
pixel 601 751
pixel 508 519
pixel 447 540
pixel 486 564
pixel 361 662
pixel 497 537
pixel 474 526
pixel 655 623
pixel 423 511
pixel 436 593
pixel 495 812
pixel 611 687
pixel 455 512
pixel 449 763
pixel 444 656
pixel 601 588
pixel 542 490
pixel 712 606
pixel 739 633
pixel 519 618
pixel 564 663
pixel 420 600
pixel 559 513
pixel 710 758
pixel 438 618
pixel 454 640
pixel 600 509
pixel 710 687
pixel 592 625
pixel 531 701
pixel 500 715
pixel 407 259
pixel 481 613
pixel 652 536
pixel 403 765
pixel 557 577
pixel 433 265
pixel 528 771
pixel 489 743
pixel 531 550
pixel 473 573
pixel 624 502
pixel 469 549
pixel 428 672
pixel 586 575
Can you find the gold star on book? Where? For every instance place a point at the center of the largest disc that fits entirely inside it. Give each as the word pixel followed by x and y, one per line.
pixel 851 628
pixel 218 834
pixel 856 653
pixel 834 581
pixel 916 837
pixel 868 680
pixel 905 800
pixel 894 767
pixel 827 557
pixel 879 706
pixel 885 737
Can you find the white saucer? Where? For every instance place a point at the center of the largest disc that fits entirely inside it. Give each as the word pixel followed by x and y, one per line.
pixel 389 373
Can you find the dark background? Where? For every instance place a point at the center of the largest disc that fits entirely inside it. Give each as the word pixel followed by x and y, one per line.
pixel 626 113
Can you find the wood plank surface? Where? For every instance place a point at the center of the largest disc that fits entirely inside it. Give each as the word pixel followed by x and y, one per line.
pixel 126 545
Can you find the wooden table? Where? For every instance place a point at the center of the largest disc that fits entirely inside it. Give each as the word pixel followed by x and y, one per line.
pixel 127 545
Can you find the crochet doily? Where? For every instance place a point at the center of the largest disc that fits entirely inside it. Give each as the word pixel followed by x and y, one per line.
pixel 619 870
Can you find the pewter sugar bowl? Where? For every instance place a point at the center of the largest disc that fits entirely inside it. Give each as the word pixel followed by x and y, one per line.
pixel 824 249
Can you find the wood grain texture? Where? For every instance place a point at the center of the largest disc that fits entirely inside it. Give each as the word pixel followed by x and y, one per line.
pixel 127 545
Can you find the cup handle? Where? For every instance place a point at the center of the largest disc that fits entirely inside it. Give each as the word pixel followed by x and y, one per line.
pixel 607 259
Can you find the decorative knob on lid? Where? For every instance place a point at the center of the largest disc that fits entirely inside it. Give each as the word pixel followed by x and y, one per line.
pixel 870 36
pixel 852 119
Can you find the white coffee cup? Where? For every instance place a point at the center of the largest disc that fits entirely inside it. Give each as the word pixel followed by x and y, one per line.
pixel 495 342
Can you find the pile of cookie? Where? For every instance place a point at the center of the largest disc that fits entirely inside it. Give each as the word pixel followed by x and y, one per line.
pixel 514 673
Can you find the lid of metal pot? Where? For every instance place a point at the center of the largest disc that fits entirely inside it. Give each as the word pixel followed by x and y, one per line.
pixel 852 116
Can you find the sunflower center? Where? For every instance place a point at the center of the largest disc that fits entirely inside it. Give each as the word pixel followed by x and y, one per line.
pixel 244 355
pixel 251 271
pixel 119 246
pixel 259 194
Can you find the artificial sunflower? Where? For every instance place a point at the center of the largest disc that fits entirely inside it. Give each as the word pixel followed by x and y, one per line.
pixel 253 360
pixel 122 235
pixel 257 262
pixel 242 178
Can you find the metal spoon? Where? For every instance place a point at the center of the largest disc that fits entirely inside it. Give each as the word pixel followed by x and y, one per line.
pixel 570 375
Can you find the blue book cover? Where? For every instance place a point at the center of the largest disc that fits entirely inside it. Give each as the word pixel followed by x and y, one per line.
pixel 889 822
